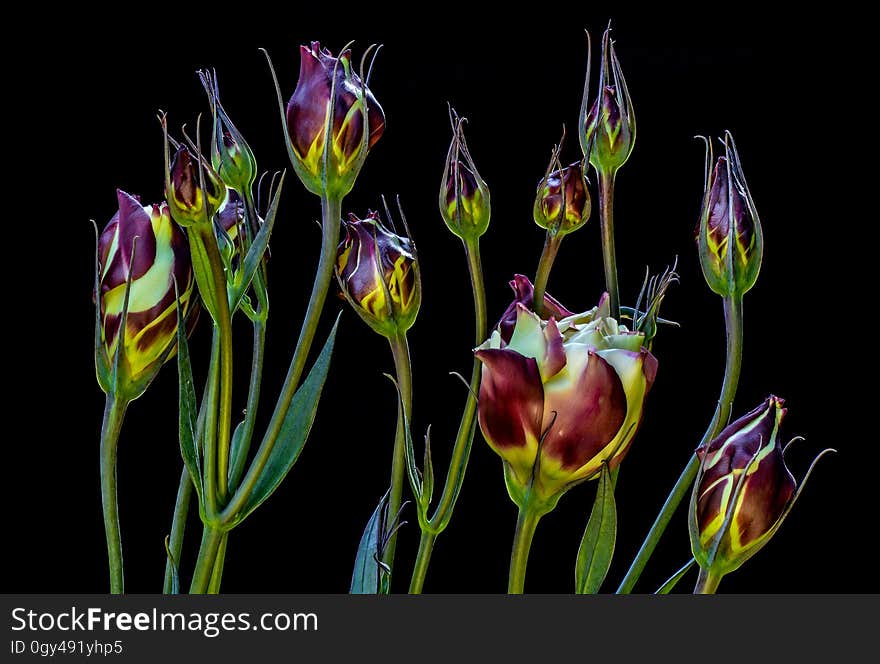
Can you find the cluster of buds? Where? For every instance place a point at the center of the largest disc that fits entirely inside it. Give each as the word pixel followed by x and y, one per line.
pixel 378 273
pixel 560 398
pixel 143 275
pixel 333 121
pixel 743 491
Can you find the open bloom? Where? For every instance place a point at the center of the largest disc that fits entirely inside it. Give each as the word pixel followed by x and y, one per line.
pixel 743 490
pixel 329 94
pixel 729 236
pixel 141 244
pixel 379 275
pixel 562 397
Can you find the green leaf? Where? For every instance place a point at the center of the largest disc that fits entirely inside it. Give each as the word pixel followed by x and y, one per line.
pixel 257 250
pixel 597 545
pixel 188 410
pixel 366 576
pixel 294 429
pixel 237 458
pixel 675 578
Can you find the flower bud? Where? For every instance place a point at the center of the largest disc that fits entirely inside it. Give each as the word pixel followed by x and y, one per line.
pixel 188 202
pixel 329 95
pixel 562 398
pixel 743 490
pixel 563 202
pixel 608 129
pixel 230 217
pixel 231 156
pixel 141 244
pixel 729 236
pixel 379 275
pixel 464 196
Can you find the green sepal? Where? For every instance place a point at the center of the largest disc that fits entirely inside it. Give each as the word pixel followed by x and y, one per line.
pixel 597 545
pixel 673 580
pixel 257 250
pixel 188 410
pixel 366 578
pixel 293 434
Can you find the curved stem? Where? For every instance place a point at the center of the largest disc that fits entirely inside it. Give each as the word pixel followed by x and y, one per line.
pixel 522 544
pixel 114 413
pixel 707 582
pixel 467 428
pixel 178 527
pixel 204 571
pixel 548 256
pixel 331 215
pixel 403 370
pixel 733 318
pixel 253 402
pixel 606 223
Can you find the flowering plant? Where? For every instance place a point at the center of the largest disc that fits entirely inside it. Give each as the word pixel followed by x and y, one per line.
pixel 558 394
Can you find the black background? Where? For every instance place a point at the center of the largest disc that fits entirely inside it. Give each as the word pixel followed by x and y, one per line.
pixel 89 92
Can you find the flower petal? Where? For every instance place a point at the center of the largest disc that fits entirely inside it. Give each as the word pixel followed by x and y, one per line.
pixel 510 406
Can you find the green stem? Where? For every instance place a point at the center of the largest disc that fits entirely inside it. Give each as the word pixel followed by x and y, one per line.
pixel 403 370
pixel 522 544
pixel 467 428
pixel 423 559
pixel 606 223
pixel 178 527
pixel 733 319
pixel 114 413
pixel 548 256
pixel 204 571
pixel 204 244
pixel 331 209
pixel 707 582
pixel 219 562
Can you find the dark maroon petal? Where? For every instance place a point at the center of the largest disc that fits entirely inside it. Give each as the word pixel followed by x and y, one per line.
pixel 766 494
pixel 649 368
pixel 376 117
pixel 348 136
pixel 306 110
pixel 710 502
pixel 524 293
pixel 131 221
pixel 587 417
pixel 231 214
pixel 611 107
pixel 511 398
pixel 719 204
pixel 554 356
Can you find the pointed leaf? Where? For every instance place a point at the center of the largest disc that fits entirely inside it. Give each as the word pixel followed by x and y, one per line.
pixel 237 458
pixel 675 578
pixel 597 545
pixel 258 248
pixel 366 576
pixel 188 410
pixel 294 429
